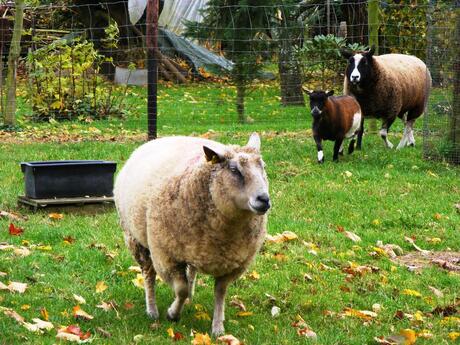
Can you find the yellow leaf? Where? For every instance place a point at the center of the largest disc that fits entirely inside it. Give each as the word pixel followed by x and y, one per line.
pixel 56 216
pixel 410 292
pixel 376 222
pixel 46 248
pixel 78 312
pixel 453 335
pixel 283 237
pixel 139 281
pixel 362 314
pixel 254 275
pixel 170 332
pixel 244 313
pixel 201 339
pixel 424 333
pixel 202 315
pixel 101 286
pixel 44 313
pixel 25 307
pixel 409 336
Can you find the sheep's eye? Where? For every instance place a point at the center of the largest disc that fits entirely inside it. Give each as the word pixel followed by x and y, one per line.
pixel 235 171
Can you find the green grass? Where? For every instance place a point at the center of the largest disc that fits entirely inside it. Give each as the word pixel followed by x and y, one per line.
pixel 390 194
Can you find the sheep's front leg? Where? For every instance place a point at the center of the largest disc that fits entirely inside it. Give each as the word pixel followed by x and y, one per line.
pixel 180 286
pixel 220 290
pixel 319 147
pixel 360 134
pixel 384 131
pixel 337 145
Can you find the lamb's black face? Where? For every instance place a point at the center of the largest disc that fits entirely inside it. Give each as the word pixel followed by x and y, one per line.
pixel 318 101
pixel 359 69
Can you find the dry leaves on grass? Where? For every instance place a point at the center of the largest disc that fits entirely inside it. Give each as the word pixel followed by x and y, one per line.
pixel 79 313
pixel 12 216
pixel 201 339
pixel 139 281
pixel 55 216
pixel 174 335
pixel 283 237
pixel 38 325
pixel 365 315
pixel 73 333
pixel 14 287
pixel 236 302
pixel 303 329
pixel 229 339
pixel 14 230
pixel 101 286
pixel 405 337
pixel 79 299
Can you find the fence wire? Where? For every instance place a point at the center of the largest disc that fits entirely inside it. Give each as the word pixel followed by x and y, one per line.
pixel 244 64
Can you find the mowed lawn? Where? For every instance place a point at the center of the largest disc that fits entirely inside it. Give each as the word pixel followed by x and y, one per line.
pixel 377 194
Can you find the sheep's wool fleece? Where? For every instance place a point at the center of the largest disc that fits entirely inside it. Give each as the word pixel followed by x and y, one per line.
pixel 164 201
pixel 404 83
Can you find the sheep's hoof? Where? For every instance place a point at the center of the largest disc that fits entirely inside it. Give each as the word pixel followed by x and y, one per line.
pixel 172 317
pixel 153 313
pixel 321 161
pixel 218 330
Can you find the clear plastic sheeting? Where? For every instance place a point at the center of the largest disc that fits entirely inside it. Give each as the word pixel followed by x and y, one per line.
pixel 176 11
pixel 174 45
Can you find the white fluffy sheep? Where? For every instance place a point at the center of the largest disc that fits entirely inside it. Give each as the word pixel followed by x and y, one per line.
pixel 190 205
pixel 386 87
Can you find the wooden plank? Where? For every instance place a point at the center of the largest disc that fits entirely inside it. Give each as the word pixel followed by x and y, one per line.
pixel 36 203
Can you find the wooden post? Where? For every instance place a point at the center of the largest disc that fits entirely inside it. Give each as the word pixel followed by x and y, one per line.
pixel 152 67
pixel 9 118
pixel 328 15
pixel 454 134
pixel 373 29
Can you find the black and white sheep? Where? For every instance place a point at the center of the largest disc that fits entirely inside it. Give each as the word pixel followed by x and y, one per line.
pixel 334 118
pixel 190 205
pixel 386 87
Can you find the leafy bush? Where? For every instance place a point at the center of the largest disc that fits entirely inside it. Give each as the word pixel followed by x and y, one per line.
pixel 65 83
pixel 321 60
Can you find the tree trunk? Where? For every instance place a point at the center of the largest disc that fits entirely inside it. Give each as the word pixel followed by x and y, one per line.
pixel 240 93
pixel 454 133
pixel 15 50
pixel 433 63
pixel 288 66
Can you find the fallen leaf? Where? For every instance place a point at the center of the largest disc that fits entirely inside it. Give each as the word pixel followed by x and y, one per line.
pixel 80 313
pixel 73 333
pixel 229 339
pixel 411 241
pixel 21 251
pixel 362 314
pixel 11 313
pixel 436 292
pixel 283 237
pixel 352 236
pixel 14 287
pixel 25 307
pixel 101 287
pixel 201 339
pixel 56 216
pixel 104 306
pixel 11 216
pixel 136 269
pixel 410 292
pixel 244 313
pixel 79 299
pixel 139 281
pixel 103 332
pixel 15 231
pixel 453 335
pixel 44 313
pixel 202 315
pixel 68 239
pixel 254 275
pixel 45 248
pixel 235 301
pixel 303 329
pixel 38 325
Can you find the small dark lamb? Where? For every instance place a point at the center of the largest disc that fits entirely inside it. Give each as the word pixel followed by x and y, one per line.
pixel 334 118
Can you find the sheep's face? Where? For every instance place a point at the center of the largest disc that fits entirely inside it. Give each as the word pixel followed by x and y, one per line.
pixel 318 101
pixel 360 67
pixel 240 181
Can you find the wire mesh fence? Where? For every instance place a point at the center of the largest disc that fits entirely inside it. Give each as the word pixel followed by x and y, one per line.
pixel 225 64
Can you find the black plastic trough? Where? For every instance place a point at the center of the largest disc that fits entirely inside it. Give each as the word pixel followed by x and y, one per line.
pixel 68 179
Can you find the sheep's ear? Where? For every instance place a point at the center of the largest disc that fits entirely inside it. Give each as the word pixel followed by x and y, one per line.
pixel 213 156
pixel 346 53
pixel 371 51
pixel 307 91
pixel 329 93
pixel 254 141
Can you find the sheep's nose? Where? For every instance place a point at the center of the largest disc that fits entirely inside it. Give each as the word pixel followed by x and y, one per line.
pixel 263 203
pixel 354 77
